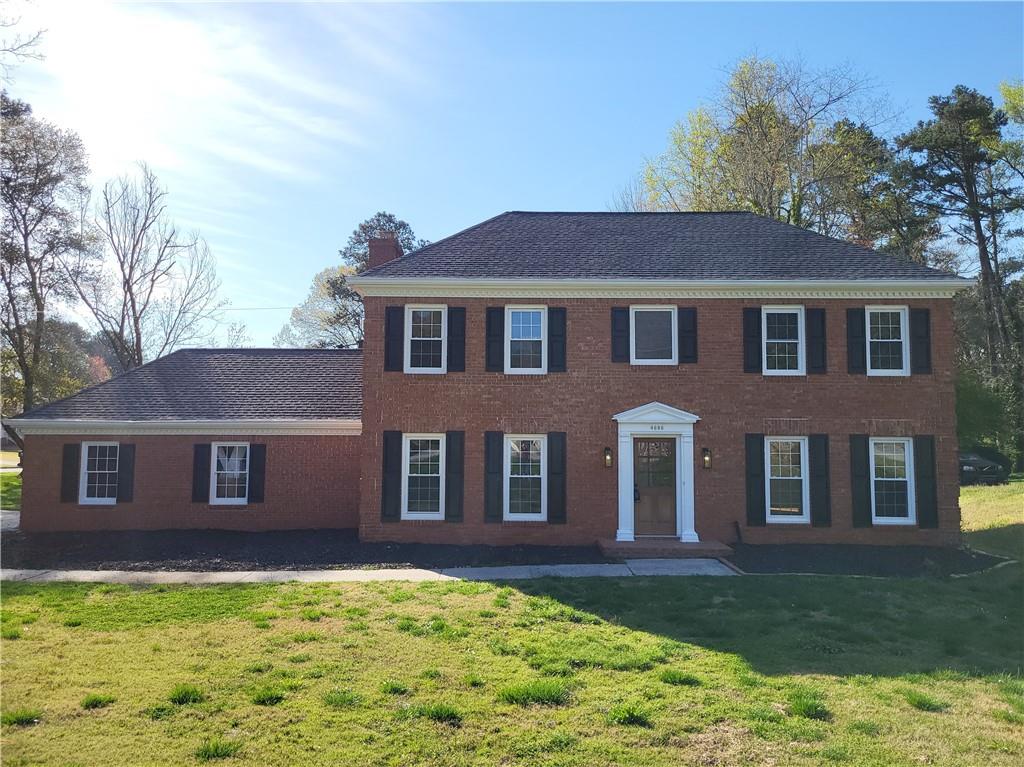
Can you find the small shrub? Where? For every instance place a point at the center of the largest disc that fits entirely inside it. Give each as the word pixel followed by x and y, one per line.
pixel 267 696
pixel 217 748
pixel 393 687
pixel 630 715
pixel 184 694
pixel 159 711
pixel 436 712
pixel 809 704
pixel 97 700
pixel 472 680
pixel 864 727
pixel 21 717
pixel 543 692
pixel 923 702
pixel 338 698
pixel 677 677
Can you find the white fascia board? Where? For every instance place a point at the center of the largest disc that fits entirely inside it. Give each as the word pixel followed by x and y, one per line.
pixel 593 288
pixel 295 427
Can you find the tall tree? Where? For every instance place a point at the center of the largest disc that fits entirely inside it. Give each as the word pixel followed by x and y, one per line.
pixel 158 288
pixel 332 314
pixel 44 193
pixel 958 170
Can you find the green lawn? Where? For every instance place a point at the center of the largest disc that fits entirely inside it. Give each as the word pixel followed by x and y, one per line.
pixel 10 490
pixel 775 670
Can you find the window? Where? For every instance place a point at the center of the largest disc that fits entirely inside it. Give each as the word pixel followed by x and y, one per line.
pixel 98 480
pixel 423 476
pixel 426 333
pixel 888 350
pixel 526 339
pixel 526 477
pixel 653 335
pixel 787 491
pixel 782 338
pixel 229 473
pixel 892 482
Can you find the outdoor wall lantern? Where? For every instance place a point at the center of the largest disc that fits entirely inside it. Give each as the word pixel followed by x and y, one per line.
pixel 607 457
pixel 706 457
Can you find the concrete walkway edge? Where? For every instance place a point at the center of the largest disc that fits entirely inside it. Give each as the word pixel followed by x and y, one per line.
pixel 630 568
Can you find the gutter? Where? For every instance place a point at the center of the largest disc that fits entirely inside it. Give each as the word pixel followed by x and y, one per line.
pixel 294 426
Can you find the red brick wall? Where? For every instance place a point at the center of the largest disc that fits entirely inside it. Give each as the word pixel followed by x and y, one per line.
pixel 311 482
pixel 729 402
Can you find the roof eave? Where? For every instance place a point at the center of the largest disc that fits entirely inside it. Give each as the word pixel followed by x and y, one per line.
pixel 233 427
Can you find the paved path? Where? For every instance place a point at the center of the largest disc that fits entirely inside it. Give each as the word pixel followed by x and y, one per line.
pixel 631 567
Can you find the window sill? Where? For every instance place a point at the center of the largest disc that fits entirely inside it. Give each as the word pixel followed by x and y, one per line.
pixel 887 374
pixel 890 522
pixel 418 372
pixel 778 521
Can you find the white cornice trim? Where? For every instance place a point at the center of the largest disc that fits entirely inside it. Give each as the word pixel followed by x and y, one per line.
pixel 569 288
pixel 313 427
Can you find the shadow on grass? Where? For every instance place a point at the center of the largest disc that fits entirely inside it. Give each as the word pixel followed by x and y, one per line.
pixel 1006 541
pixel 821 624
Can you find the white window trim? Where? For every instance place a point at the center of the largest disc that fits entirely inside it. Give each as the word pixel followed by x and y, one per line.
pixel 904 337
pixel 805 483
pixel 214 500
pixel 407 356
pixel 801 350
pixel 83 473
pixel 507 469
pixel 406 514
pixel 543 369
pixel 632 334
pixel 911 518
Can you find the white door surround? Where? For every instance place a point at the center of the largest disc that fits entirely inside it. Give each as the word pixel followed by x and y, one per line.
pixel 657 420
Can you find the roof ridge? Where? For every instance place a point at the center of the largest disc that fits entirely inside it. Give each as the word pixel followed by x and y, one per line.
pixel 629 213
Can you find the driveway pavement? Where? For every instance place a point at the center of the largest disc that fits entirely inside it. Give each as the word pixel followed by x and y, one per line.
pixel 628 569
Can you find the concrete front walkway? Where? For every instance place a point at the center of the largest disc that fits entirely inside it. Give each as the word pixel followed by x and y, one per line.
pixel 630 568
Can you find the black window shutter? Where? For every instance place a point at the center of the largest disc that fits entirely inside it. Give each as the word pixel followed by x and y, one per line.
pixel 821 497
pixel 454 463
pixel 493 481
pixel 125 473
pixel 755 479
pixel 752 342
pixel 856 343
pixel 924 482
pixel 817 356
pixel 620 334
pixel 257 472
pixel 201 473
pixel 860 480
pixel 495 339
pixel 69 472
pixel 556 340
pixel 687 334
pixel 556 477
pixel 920 341
pixel 394 337
pixel 456 339
pixel 391 477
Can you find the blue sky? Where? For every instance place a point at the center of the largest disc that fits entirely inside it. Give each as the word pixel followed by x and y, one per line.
pixel 278 127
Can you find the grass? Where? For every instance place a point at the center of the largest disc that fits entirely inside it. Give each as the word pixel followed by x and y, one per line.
pixel 10 490
pixel 992 517
pixel 97 700
pixel 923 702
pixel 790 670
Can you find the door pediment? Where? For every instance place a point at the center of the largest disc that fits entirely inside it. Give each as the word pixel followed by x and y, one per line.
pixel 656 412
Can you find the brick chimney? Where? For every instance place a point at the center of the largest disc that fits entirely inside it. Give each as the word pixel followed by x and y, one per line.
pixel 383 249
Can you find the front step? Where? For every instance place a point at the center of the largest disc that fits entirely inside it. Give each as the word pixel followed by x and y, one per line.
pixel 662 548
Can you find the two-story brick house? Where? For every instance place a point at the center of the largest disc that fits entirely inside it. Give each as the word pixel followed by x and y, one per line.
pixel 559 378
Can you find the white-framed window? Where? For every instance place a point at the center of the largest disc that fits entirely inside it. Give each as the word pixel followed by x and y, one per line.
pixel 786 487
pixel 526 339
pixel 888 340
pixel 426 339
pixel 653 335
pixel 229 473
pixel 97 483
pixel 526 477
pixel 782 340
pixel 423 476
pixel 892 481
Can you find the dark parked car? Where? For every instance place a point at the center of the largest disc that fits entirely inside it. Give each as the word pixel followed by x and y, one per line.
pixel 975 470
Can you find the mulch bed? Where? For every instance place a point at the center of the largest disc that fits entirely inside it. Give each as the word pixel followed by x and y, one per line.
pixel 860 560
pixel 198 550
